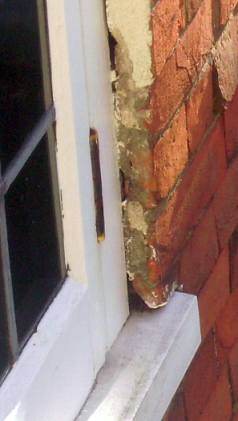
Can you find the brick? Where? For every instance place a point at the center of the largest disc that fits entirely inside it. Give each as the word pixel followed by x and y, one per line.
pixel 167 93
pixel 226 60
pixel 191 198
pixel 221 352
pixel 225 204
pixel 219 407
pixel 191 8
pixel 231 127
pixel 233 366
pixel 234 260
pixel 176 410
pixel 171 154
pixel 167 22
pixel 213 296
pixel 200 110
pixel 200 255
pixel 197 41
pixel 227 323
pixel 201 378
pixel 226 6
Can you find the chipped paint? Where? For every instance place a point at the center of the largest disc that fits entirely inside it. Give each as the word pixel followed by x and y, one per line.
pixel 129 23
pixel 132 81
pixel 136 217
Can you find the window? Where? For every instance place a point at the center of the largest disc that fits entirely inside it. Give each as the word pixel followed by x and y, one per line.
pixel 57 367
pixel 32 257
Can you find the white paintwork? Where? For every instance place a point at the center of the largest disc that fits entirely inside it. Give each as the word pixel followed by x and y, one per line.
pixel 82 96
pixel 111 251
pixel 48 383
pixel 57 368
pixel 130 23
pixel 146 364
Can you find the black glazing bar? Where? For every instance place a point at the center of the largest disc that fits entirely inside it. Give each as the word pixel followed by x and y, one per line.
pixel 97 183
pixel 6 286
pixel 25 151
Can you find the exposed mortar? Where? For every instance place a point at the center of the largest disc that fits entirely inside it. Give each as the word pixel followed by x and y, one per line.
pixel 129 24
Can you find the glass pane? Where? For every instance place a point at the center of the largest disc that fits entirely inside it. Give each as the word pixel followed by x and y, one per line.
pixel 30 203
pixel 21 94
pixel 33 245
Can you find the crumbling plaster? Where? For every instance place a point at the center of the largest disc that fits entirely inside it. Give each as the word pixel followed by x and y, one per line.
pixel 130 24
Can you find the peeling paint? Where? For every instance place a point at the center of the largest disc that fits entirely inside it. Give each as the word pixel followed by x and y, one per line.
pixel 129 24
pixel 136 217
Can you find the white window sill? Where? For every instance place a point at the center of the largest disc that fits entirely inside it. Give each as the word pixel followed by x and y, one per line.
pixel 146 364
pixel 54 374
pixel 55 371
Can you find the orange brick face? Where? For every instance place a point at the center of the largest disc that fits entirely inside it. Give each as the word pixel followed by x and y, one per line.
pixel 231 127
pixel 198 186
pixel 201 253
pixel 226 6
pixel 171 154
pixel 215 293
pixel 234 260
pixel 201 379
pixel 233 366
pixel 219 406
pixel 226 205
pixel 193 124
pixel 191 8
pixel 227 323
pixel 168 20
pixel 167 94
pixel 199 109
pixel 197 41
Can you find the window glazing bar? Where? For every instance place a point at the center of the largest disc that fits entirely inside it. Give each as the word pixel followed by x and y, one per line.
pixel 6 286
pixel 25 151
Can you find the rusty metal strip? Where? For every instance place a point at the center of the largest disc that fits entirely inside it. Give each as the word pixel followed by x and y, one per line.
pixel 97 184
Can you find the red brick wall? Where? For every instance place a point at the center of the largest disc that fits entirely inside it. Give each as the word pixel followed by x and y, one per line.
pixel 194 124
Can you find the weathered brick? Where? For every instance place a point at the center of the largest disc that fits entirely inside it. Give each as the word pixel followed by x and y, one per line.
pixel 201 253
pixel 225 204
pixel 226 60
pixel 200 110
pixel 231 127
pixel 201 378
pixel 191 8
pixel 167 93
pixel 167 22
pixel 171 154
pixel 214 294
pixel 233 365
pixel 197 41
pixel 226 6
pixel 176 410
pixel 227 323
pixel 219 406
pixel 234 260
pixel 191 198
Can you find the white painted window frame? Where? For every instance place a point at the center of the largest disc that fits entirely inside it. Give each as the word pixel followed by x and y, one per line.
pixel 57 368
pixel 56 371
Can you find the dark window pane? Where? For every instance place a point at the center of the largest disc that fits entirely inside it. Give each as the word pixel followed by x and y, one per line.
pixel 21 93
pixel 30 202
pixel 33 245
